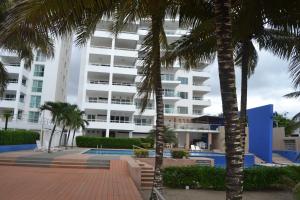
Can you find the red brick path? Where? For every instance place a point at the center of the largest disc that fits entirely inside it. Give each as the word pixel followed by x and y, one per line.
pixel 31 183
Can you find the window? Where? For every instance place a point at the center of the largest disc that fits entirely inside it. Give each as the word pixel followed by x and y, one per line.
pixel 10 97
pixel 39 70
pixel 183 95
pixel 35 101
pixel 183 80
pixel 142 122
pixel 20 113
pixel 91 118
pixel 119 119
pixel 40 57
pixel 168 92
pixel 169 108
pixel 37 86
pixel 33 117
pixel 182 110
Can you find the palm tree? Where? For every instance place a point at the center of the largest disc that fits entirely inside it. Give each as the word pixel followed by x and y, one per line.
pixel 55 108
pixel 168 135
pixel 7 115
pixel 78 122
pixel 23 40
pixel 67 114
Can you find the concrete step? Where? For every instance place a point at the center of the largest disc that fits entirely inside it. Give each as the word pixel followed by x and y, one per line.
pixel 147 184
pixel 149 178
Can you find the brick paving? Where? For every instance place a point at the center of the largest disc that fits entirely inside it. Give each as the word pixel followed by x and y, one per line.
pixel 33 183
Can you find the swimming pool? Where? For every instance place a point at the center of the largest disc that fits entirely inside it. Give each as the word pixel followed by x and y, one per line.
pixel 219 158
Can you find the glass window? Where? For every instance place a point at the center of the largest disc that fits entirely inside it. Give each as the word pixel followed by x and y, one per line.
pixel 169 108
pixel 33 117
pixel 168 92
pixel 167 77
pixel 183 95
pixel 182 110
pixel 35 101
pixel 40 57
pixel 183 80
pixel 39 70
pixel 37 86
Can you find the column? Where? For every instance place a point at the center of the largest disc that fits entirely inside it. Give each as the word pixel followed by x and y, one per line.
pixel 209 141
pixel 130 134
pixel 187 141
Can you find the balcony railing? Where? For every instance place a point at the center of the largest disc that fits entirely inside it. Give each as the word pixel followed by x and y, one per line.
pixel 12 81
pixel 169 110
pixel 13 64
pixel 121 101
pixel 100 46
pixel 191 126
pixel 120 122
pixel 98 82
pixel 98 100
pixel 124 48
pixel 123 84
pixel 143 124
pixel 124 66
pixel 99 64
pixel 8 99
pixel 96 120
pixel 198 98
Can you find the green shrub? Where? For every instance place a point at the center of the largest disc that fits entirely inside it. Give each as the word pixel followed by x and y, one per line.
pixel 141 153
pixel 118 143
pixel 14 137
pixel 147 140
pixel 256 178
pixel 179 153
pixel 146 145
pixel 296 191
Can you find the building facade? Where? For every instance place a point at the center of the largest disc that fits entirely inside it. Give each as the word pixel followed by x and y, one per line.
pixel 110 73
pixel 30 86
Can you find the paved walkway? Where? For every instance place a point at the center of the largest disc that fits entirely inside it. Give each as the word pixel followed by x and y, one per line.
pixel 32 183
pixel 179 194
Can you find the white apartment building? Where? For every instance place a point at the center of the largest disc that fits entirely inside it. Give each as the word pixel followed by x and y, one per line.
pixel 30 86
pixel 110 73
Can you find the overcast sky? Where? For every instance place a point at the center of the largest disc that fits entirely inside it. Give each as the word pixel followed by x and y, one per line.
pixel 267 86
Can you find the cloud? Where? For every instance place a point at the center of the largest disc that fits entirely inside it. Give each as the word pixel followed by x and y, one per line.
pixel 267 86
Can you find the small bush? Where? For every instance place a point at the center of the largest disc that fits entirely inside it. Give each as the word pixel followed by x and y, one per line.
pixel 146 145
pixel 179 154
pixel 141 153
pixel 296 191
pixel 14 137
pixel 118 143
pixel 256 178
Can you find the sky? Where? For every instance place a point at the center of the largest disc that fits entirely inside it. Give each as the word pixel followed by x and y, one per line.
pixel 267 86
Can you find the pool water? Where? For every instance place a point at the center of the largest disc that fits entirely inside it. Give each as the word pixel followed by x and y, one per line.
pixel 219 158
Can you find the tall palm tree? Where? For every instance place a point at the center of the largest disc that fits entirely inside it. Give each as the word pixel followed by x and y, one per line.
pixel 23 40
pixel 67 114
pixel 55 108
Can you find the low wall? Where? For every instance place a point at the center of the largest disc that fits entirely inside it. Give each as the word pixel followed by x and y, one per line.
pixel 293 156
pixel 134 170
pixel 168 162
pixel 20 147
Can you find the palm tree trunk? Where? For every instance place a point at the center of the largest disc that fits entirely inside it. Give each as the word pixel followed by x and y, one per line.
pixel 158 182
pixel 51 136
pixel 73 137
pixel 234 167
pixel 66 144
pixel 6 123
pixel 61 134
pixel 244 91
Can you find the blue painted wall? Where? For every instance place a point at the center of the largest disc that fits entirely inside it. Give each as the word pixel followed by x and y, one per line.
pixel 293 156
pixel 260 122
pixel 7 148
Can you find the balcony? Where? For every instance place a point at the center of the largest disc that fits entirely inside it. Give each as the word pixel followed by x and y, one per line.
pixel 97 85
pixel 169 80
pixel 122 105
pixel 143 128
pixel 98 67
pixel 200 101
pixel 7 102
pixel 197 112
pixel 171 96
pixel 124 87
pixel 191 127
pixel 125 69
pixel 121 125
pixel 97 123
pixel 98 104
pixel 201 87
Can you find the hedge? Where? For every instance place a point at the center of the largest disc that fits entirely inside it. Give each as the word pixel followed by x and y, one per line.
pixel 256 178
pixel 118 143
pixel 14 137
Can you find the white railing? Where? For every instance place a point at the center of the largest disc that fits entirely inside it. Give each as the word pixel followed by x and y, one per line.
pixel 99 64
pixel 123 84
pixel 124 66
pixel 98 82
pixel 13 64
pixel 121 101
pixel 100 46
pixel 12 81
pixel 98 100
pixel 124 48
pixel 96 120
pixel 120 122
pixel 197 112
pixel 169 110
pixel 191 126
pixel 7 99
pixel 143 124
pixel 198 98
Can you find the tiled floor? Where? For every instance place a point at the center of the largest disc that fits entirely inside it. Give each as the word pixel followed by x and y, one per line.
pixel 31 183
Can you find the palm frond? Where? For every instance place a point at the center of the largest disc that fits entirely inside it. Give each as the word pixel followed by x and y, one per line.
pixel 293 95
pixel 246 50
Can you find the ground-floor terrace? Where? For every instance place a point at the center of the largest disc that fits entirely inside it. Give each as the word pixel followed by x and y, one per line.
pixel 118 182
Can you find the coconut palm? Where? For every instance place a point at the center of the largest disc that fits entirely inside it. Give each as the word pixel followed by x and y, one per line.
pixel 23 40
pixel 78 122
pixel 168 135
pixel 55 108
